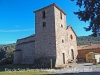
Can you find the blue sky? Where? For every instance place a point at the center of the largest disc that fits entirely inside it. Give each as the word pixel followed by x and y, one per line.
pixel 17 18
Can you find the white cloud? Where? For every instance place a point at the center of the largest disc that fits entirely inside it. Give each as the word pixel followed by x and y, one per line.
pixel 22 30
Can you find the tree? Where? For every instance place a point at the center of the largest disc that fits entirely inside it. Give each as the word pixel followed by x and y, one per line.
pixel 91 13
pixel 6 53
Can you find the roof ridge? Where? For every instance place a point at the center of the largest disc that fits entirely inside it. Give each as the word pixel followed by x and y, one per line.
pixel 54 4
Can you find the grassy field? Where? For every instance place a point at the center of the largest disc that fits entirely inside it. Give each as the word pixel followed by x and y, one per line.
pixel 20 70
pixel 24 73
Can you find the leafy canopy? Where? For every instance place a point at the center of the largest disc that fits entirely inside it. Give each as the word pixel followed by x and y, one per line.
pixel 91 13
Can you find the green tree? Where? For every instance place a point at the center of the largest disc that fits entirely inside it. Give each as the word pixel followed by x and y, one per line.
pixel 91 13
pixel 6 53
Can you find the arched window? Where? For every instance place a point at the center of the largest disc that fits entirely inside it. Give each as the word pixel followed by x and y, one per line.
pixel 62 41
pixel 43 14
pixel 71 37
pixel 61 26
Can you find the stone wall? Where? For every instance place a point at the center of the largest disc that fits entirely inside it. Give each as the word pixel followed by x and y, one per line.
pixel 45 43
pixel 64 43
pixel 72 43
pixel 45 36
pixel 60 28
pixel 17 57
pixel 27 47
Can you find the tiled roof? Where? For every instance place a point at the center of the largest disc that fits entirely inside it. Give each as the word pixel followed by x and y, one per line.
pixel 94 53
pixel 91 46
pixel 33 35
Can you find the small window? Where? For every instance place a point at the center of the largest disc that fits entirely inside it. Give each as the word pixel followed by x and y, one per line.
pixel 43 14
pixel 61 26
pixel 71 36
pixel 44 24
pixel 62 41
pixel 61 15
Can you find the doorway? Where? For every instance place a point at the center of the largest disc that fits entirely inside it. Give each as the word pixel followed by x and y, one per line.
pixel 63 58
pixel 72 53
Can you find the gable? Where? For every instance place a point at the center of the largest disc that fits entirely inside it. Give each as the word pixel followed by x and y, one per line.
pixel 70 27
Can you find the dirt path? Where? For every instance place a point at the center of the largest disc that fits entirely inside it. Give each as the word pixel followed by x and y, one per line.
pixel 79 69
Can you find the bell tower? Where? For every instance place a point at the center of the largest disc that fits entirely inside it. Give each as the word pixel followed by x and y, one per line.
pixel 50 25
pixel 45 43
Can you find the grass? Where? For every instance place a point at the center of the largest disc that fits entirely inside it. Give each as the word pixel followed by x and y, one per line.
pixel 24 73
pixel 12 69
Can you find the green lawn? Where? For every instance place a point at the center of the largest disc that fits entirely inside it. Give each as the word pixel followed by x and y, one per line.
pixel 12 69
pixel 24 73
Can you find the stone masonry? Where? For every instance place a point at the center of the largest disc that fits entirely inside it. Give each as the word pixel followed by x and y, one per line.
pixel 54 42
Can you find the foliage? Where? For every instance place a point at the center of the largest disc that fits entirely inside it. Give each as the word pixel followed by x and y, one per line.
pixel 90 12
pixel 83 40
pixel 2 53
pixel 6 53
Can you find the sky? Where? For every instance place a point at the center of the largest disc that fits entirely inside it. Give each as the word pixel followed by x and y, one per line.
pixel 17 19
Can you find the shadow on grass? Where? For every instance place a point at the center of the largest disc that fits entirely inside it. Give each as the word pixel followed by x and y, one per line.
pixel 12 67
pixel 80 73
pixel 87 65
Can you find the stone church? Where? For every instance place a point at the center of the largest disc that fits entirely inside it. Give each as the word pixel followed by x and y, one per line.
pixel 54 43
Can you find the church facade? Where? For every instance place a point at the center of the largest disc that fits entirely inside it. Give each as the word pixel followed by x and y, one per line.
pixel 53 44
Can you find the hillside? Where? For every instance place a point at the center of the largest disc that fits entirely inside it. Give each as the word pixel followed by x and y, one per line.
pixel 83 40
